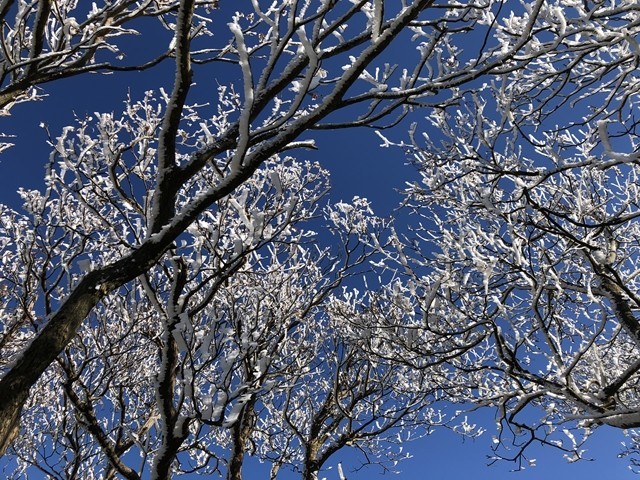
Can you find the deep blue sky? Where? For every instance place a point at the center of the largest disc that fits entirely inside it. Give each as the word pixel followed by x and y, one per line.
pixel 358 167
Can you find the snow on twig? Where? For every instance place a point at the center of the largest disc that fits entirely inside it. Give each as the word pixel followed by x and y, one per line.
pixel 245 115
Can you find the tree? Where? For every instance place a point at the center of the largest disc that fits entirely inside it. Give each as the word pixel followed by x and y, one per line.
pixel 122 309
pixel 526 262
pixel 161 287
pixel 51 40
pixel 220 351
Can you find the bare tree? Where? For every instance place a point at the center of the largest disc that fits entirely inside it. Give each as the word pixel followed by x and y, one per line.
pixel 233 346
pixel 527 258
pixel 50 40
pixel 148 282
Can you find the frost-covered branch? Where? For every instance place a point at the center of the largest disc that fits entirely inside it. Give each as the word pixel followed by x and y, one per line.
pixel 57 40
pixel 173 266
pixel 527 253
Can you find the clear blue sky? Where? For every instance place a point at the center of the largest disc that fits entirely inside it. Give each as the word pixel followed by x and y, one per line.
pixel 358 168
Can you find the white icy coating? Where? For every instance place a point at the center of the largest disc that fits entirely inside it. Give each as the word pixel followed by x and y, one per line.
pixel 517 287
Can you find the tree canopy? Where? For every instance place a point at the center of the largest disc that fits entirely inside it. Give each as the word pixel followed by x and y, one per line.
pixel 183 294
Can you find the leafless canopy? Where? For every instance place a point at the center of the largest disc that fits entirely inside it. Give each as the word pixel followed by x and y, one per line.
pixel 170 307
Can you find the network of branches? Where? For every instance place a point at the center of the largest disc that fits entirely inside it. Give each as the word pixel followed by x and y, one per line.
pixel 184 295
